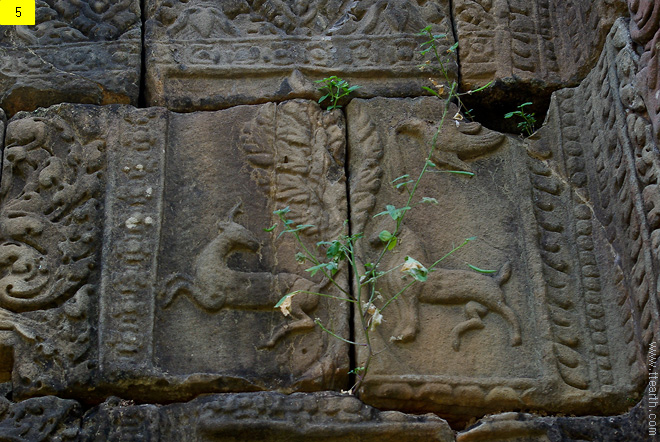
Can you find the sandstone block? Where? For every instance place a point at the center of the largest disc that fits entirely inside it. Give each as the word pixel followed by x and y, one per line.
pixel 548 326
pixel 76 52
pixel 261 416
pixel 204 55
pixel 134 252
pixel 530 48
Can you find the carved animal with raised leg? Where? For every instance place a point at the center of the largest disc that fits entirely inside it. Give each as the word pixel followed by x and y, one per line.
pixel 479 293
pixel 215 285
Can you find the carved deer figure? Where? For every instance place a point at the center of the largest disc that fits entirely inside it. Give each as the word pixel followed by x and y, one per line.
pixel 480 294
pixel 215 285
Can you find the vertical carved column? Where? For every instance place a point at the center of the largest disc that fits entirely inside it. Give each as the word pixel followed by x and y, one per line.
pixel 132 221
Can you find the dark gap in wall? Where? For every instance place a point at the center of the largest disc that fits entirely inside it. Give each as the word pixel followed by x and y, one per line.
pixel 489 106
pixel 142 99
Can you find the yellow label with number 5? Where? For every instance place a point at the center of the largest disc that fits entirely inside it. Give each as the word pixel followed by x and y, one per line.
pixel 17 12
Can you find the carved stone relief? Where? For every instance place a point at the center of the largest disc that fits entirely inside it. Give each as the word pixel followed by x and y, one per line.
pixel 539 44
pixel 645 31
pixel 135 259
pixel 524 336
pixel 205 55
pixel 610 159
pixel 80 52
pixel 50 230
pixel 187 278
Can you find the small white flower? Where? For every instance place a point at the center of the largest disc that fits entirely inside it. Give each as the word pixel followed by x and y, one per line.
pixel 411 264
pixel 376 320
pixel 286 305
pixel 369 308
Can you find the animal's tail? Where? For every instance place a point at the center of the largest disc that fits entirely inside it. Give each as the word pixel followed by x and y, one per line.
pixel 503 275
pixel 175 284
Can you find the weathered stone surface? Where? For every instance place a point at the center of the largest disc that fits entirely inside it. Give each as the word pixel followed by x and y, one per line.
pixel 77 52
pixel 564 313
pixel 529 48
pixel 40 419
pixel 181 295
pixel 610 159
pixel 518 427
pixel 205 55
pixel 645 31
pixel 260 416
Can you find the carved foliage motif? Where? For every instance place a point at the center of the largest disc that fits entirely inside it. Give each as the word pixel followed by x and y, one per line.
pixel 626 178
pixel 73 21
pixel 309 17
pixel 296 154
pixel 50 225
pixel 40 420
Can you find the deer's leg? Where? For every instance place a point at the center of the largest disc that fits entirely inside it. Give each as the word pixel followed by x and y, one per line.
pixel 302 322
pixel 474 312
pixel 408 325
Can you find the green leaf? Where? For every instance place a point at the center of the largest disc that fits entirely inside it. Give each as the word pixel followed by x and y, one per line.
pixel 453 47
pixel 392 244
pixel 457 172
pixel 271 228
pixel 300 257
pixel 430 163
pixel 480 88
pixel 334 251
pixel 480 270
pixel 399 178
pixel 315 269
pixel 433 91
pixel 282 211
pixel 403 184
pixel 509 114
pixel 385 235
pixel 282 299
pixel 425 30
pixel 526 104
pixel 430 200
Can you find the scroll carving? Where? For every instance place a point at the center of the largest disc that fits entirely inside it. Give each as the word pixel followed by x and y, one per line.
pixel 52 193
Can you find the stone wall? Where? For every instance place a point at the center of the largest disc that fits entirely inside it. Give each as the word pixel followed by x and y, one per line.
pixel 148 148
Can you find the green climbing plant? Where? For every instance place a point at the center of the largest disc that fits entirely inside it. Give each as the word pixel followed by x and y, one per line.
pixel 330 257
pixel 528 120
pixel 335 89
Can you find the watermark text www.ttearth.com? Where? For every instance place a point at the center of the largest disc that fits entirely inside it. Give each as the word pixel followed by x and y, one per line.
pixel 653 389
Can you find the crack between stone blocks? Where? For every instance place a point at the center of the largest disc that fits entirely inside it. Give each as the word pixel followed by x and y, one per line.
pixel 454 31
pixel 142 90
pixel 352 354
